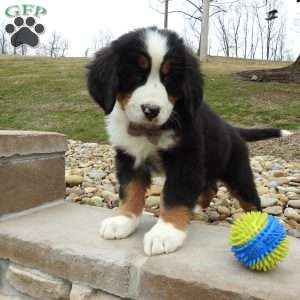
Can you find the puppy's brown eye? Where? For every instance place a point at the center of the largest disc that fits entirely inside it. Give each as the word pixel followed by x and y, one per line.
pixel 166 68
pixel 143 62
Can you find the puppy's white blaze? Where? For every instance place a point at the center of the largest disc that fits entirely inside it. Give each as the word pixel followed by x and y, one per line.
pixel 157 47
pixel 163 238
pixel 153 91
pixel 118 227
pixel 285 133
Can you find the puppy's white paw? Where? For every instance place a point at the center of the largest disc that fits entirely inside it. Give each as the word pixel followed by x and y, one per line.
pixel 163 238
pixel 118 227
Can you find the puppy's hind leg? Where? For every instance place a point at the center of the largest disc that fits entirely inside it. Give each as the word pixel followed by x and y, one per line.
pixel 239 179
pixel 207 195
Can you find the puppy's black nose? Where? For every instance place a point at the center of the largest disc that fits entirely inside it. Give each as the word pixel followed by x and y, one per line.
pixel 150 111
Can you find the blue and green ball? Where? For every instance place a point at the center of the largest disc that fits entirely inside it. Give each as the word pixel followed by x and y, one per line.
pixel 259 241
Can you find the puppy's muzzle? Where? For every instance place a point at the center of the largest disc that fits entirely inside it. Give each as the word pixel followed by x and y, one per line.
pixel 150 111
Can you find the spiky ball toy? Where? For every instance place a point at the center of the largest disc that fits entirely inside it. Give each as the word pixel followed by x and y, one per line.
pixel 259 241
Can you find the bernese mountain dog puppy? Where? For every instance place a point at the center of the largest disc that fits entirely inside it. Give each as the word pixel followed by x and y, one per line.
pixel 150 86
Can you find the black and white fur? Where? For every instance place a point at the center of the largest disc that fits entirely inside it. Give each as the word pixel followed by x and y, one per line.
pixel 153 68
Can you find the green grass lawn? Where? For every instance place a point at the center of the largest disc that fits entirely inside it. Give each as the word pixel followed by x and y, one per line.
pixel 50 94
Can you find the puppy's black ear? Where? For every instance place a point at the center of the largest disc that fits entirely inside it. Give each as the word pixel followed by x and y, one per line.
pixel 192 83
pixel 102 79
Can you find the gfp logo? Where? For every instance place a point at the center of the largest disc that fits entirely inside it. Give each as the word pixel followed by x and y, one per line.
pixel 24 29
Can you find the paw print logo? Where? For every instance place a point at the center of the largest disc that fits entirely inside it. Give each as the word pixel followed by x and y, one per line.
pixel 24 33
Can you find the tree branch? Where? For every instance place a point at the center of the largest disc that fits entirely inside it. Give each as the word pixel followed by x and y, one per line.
pixel 193 4
pixel 186 14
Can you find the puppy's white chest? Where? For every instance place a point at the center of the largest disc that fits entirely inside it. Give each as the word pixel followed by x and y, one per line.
pixel 139 147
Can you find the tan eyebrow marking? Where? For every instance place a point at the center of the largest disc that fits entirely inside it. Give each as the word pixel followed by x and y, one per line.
pixel 143 62
pixel 166 67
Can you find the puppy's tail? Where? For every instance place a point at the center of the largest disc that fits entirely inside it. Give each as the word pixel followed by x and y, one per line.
pixel 255 134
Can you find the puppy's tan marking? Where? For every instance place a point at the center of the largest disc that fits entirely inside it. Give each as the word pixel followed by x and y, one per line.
pixel 246 206
pixel 205 198
pixel 172 99
pixel 178 216
pixel 134 201
pixel 166 68
pixel 143 62
pixel 123 100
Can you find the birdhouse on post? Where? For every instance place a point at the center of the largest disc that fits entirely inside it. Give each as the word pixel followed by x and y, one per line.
pixel 272 14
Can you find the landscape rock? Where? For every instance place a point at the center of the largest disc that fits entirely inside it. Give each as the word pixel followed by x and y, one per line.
pixel 267 201
pixel 76 171
pixel 294 203
pixel 296 179
pixel 213 215
pixel 90 189
pixel 254 77
pixel 277 183
pixel 109 196
pixel 293 196
pixel 293 224
pixel 282 180
pixel 223 210
pixel 200 216
pixel 96 174
pixel 262 189
pixel 279 174
pixel 109 187
pixel 155 189
pixel 273 210
pixel 292 214
pixel 152 201
pixel 95 201
pixel 73 197
pixel 72 180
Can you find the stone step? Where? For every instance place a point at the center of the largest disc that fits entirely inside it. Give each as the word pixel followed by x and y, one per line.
pixel 63 242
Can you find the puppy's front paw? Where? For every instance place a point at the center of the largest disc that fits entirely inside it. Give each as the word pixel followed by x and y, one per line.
pixel 118 227
pixel 163 238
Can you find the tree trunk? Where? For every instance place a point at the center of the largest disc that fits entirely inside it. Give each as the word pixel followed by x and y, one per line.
pixel 204 31
pixel 287 74
pixel 296 64
pixel 166 14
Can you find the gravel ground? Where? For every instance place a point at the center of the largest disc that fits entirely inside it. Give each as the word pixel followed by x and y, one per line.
pixel 287 148
pixel 90 179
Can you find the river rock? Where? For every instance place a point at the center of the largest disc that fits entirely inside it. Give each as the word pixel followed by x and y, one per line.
pixel 73 180
pixel 152 201
pixel 267 201
pixel 291 214
pixel 274 210
pixel 294 203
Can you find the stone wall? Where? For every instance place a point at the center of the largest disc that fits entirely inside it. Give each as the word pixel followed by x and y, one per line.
pixel 18 282
pixel 58 251
pixel 32 169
